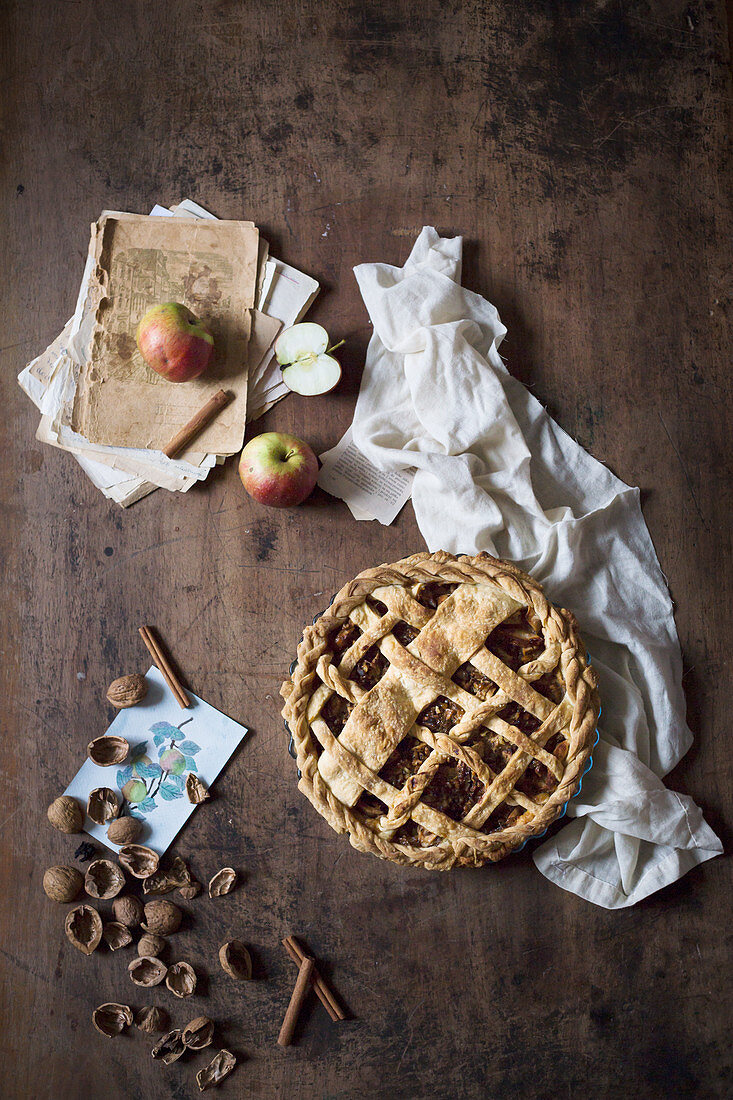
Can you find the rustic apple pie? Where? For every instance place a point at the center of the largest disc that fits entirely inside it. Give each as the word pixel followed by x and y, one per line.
pixel 442 711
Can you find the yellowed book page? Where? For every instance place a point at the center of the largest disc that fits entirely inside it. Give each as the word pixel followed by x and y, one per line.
pixel 210 266
pixel 264 331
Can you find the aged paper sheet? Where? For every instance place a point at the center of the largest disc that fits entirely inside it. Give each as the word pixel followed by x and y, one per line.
pixel 212 267
pixel 369 493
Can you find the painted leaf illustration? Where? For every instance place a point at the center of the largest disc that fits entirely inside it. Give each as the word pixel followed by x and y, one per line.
pixel 158 739
pixel 147 771
pixel 138 750
pixel 178 780
pixel 169 792
pixel 123 776
pixel 166 730
pixel 190 763
pixel 189 747
pixel 146 806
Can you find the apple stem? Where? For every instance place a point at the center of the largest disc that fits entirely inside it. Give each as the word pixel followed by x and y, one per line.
pixel 334 346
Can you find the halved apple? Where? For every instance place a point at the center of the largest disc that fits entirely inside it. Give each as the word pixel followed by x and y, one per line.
pixel 303 353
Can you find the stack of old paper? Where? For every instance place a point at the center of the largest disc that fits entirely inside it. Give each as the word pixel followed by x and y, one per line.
pixel 97 398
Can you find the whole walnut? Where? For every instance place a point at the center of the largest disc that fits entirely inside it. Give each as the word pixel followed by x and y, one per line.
pixel 150 945
pixel 65 814
pixel 127 691
pixel 124 830
pixel 63 883
pixel 162 917
pixel 128 910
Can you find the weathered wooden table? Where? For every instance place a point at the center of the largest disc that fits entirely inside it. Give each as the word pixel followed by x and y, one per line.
pixel 581 150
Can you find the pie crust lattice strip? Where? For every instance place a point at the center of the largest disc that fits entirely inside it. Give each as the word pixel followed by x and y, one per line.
pixel 442 710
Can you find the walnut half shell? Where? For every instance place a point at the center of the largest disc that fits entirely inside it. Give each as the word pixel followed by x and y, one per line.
pixel 236 960
pixel 103 879
pixel 221 1066
pixel 147 971
pixel 108 750
pixel 181 979
pixel 112 1019
pixel 83 926
pixel 223 882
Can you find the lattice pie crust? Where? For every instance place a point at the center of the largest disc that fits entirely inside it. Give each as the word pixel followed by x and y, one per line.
pixel 442 710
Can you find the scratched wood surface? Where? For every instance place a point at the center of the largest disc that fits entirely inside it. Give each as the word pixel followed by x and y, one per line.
pixel 581 150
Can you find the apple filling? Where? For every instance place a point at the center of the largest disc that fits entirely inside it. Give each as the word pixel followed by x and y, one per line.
pixel 454 788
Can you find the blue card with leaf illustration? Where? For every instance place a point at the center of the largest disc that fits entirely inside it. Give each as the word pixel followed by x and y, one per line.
pixel 166 744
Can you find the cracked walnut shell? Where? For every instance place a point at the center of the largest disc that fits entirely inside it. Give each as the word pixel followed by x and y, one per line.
pixel 196 791
pixel 112 1019
pixel 63 883
pixel 219 1068
pixel 191 890
pixel 147 971
pixel 181 979
pixel 116 935
pixel 102 805
pixel 170 1047
pixel 151 1019
pixel 166 879
pixel 199 1033
pixel 138 860
pixel 83 927
pixel 127 691
pixel 65 814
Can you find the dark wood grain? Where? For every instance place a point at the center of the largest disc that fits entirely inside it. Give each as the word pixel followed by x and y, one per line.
pixel 582 151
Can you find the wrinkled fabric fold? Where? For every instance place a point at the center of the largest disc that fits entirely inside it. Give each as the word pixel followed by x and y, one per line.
pixel 494 472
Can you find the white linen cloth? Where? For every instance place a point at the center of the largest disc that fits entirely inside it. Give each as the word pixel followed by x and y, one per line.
pixel 494 472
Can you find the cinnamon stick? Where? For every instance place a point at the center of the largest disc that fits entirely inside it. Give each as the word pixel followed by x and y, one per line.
pixel 164 667
pixel 300 992
pixel 197 423
pixel 323 992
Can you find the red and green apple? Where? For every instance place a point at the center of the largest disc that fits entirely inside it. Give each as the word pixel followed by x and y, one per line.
pixel 174 343
pixel 277 469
